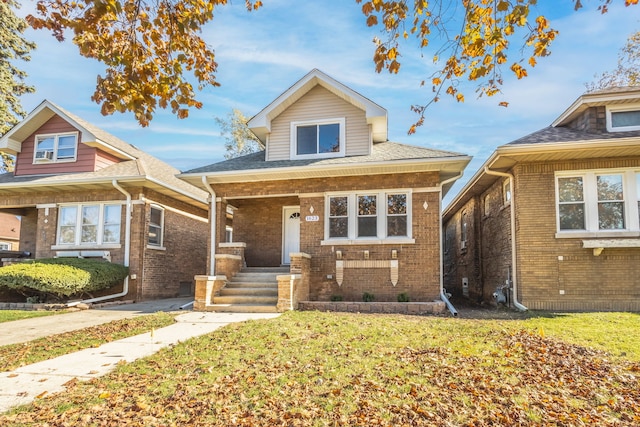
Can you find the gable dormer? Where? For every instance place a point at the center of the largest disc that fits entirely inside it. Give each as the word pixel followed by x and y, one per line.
pixel 607 110
pixel 318 117
pixel 51 141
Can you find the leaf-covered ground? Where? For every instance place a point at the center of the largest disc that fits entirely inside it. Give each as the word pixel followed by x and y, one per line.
pixel 16 355
pixel 329 369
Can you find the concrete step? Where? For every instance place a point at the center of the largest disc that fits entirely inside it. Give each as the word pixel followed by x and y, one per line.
pixel 262 285
pixel 276 270
pixel 242 308
pixel 246 299
pixel 249 291
pixel 254 278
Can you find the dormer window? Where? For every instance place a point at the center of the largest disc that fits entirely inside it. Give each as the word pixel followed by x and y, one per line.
pixel 322 138
pixel 623 118
pixel 55 148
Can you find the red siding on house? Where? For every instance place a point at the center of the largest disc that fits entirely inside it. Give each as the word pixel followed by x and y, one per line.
pixel 86 158
pixel 104 159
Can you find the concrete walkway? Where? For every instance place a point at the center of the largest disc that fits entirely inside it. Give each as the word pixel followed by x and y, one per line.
pixel 26 330
pixel 28 383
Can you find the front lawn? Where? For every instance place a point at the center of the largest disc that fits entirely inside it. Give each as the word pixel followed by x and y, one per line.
pixel 332 369
pixel 10 315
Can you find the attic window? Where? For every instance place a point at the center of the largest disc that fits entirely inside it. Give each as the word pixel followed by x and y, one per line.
pixel 323 138
pixel 55 148
pixel 625 118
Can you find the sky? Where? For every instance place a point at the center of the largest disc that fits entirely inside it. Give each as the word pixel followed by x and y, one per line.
pixel 262 53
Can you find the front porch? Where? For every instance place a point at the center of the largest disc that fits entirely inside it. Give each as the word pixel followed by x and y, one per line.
pixel 237 288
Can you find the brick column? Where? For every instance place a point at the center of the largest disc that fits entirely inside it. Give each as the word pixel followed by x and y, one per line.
pixel 206 288
pixel 294 287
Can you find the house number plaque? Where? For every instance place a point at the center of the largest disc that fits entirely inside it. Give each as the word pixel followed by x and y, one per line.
pixel 312 218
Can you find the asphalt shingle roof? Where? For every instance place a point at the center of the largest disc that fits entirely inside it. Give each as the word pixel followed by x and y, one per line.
pixel 381 152
pixel 144 165
pixel 563 134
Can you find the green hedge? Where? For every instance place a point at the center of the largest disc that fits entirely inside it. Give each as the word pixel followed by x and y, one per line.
pixel 61 277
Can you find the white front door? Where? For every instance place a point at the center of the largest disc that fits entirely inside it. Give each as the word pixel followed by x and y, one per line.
pixel 290 232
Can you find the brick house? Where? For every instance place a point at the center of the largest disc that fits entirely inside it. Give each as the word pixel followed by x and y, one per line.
pixel 9 232
pixel 80 191
pixel 330 208
pixel 570 195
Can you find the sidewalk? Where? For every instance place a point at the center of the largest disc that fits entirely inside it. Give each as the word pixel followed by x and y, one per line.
pixel 28 383
pixel 26 330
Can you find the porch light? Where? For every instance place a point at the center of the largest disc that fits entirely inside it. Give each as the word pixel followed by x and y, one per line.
pixel 338 254
pixel 394 254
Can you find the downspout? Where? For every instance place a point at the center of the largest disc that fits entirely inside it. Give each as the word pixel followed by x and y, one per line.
pixel 127 251
pixel 443 294
pixel 212 251
pixel 514 270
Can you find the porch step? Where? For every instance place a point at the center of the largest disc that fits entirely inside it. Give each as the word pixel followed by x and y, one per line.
pixel 242 308
pixel 253 289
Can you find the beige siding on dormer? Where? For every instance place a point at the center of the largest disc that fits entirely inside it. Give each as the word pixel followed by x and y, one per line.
pixel 319 104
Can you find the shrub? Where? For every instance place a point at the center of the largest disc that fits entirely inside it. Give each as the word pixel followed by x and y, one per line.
pixel 335 298
pixel 403 297
pixel 61 277
pixel 367 297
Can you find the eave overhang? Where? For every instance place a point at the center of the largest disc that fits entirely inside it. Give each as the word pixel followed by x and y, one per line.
pixel 596 100
pixel 506 157
pixel 446 166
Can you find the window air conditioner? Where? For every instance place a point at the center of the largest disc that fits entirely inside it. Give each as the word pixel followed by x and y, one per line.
pixel 44 155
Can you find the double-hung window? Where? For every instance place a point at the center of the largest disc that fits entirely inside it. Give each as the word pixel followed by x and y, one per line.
pixel 56 147
pixel 376 215
pixel 90 224
pixel 598 201
pixel 322 138
pixel 156 226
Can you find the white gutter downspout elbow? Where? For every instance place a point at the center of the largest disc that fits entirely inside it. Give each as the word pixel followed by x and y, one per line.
pixel 514 269
pixel 127 251
pixel 212 252
pixel 443 294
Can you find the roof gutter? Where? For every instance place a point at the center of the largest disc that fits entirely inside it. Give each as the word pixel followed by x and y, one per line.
pixel 443 294
pixel 127 251
pixel 212 223
pixel 514 279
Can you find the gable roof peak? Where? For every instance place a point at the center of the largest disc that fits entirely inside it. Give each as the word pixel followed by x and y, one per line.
pixel 376 115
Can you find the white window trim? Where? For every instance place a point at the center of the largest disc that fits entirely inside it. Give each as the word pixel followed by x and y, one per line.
pixel 631 195
pixel 161 244
pixel 78 234
pixel 610 109
pixel 381 237
pixel 505 184
pixel 7 244
pixel 294 138
pixel 56 137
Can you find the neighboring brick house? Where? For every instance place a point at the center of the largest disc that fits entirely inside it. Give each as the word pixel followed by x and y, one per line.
pixel 343 209
pixel 570 193
pixel 9 232
pixel 83 192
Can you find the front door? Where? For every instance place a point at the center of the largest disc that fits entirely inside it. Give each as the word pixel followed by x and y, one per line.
pixel 290 232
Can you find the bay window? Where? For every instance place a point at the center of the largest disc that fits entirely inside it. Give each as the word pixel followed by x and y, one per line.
pixel 89 224
pixel 376 215
pixel 598 201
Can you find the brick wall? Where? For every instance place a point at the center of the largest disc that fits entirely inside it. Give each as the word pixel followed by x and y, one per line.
pixel 610 281
pixel 159 273
pixel 185 249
